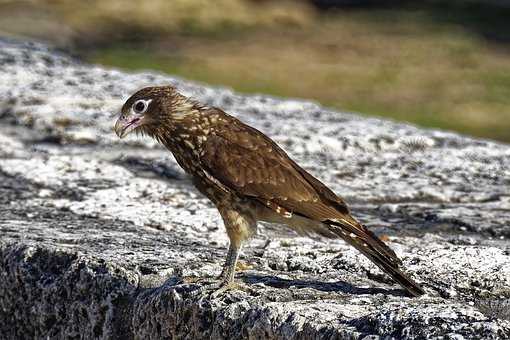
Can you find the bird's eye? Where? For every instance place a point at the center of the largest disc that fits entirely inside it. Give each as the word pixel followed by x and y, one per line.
pixel 140 106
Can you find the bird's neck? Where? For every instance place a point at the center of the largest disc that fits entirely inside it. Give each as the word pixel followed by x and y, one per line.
pixel 187 132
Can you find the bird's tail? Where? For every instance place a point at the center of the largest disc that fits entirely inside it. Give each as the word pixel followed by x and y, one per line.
pixel 374 249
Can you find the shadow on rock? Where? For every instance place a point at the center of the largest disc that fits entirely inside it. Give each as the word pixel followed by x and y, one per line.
pixel 339 286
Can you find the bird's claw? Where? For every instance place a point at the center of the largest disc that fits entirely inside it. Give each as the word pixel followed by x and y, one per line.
pixel 220 290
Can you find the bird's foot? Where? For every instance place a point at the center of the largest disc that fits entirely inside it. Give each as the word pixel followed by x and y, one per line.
pixel 216 289
pixel 201 280
pixel 210 287
pixel 240 266
pixel 222 288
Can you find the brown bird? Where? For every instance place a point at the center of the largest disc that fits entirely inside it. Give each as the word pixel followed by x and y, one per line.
pixel 248 177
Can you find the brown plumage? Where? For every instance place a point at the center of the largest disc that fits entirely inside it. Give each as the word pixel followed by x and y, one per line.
pixel 248 177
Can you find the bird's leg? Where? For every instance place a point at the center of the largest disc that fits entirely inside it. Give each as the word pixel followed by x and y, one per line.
pixel 229 268
pixel 239 227
pixel 226 278
pixel 227 274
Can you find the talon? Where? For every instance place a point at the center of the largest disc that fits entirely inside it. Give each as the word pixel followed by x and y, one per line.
pixel 219 288
pixel 224 287
pixel 196 279
pixel 214 287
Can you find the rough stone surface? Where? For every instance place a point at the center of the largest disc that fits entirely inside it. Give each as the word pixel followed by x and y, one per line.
pixel 103 238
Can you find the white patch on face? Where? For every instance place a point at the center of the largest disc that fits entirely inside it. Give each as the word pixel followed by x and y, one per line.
pixel 140 106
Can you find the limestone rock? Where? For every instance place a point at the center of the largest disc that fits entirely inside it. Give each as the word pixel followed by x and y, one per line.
pixel 107 238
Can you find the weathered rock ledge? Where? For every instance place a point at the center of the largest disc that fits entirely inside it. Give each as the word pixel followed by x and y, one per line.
pixel 102 238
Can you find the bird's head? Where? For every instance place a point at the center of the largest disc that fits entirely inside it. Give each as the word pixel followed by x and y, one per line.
pixel 147 109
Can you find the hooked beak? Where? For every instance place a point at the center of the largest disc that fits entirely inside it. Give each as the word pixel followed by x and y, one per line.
pixel 127 123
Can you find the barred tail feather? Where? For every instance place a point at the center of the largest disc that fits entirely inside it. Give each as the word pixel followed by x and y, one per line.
pixel 376 251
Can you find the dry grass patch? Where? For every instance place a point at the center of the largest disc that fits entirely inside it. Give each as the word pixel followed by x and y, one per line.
pixel 408 69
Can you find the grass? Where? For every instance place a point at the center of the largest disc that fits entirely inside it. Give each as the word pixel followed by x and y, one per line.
pixel 402 66
pixel 445 67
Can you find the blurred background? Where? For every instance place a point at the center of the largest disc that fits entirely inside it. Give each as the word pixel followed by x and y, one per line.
pixel 434 63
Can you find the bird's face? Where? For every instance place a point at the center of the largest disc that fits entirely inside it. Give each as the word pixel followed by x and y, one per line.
pixel 144 110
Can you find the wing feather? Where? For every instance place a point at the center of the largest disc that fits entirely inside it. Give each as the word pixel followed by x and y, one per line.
pixel 250 164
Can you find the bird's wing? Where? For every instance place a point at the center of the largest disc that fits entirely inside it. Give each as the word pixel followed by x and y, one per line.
pixel 250 164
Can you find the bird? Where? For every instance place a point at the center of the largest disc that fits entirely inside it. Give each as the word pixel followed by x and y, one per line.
pixel 249 178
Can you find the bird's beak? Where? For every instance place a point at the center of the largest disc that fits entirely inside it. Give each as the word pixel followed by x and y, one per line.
pixel 127 123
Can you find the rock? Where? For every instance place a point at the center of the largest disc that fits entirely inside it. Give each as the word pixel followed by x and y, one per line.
pixel 107 238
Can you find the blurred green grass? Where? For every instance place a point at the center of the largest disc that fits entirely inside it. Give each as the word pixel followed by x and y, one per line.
pixel 394 64
pixel 444 66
